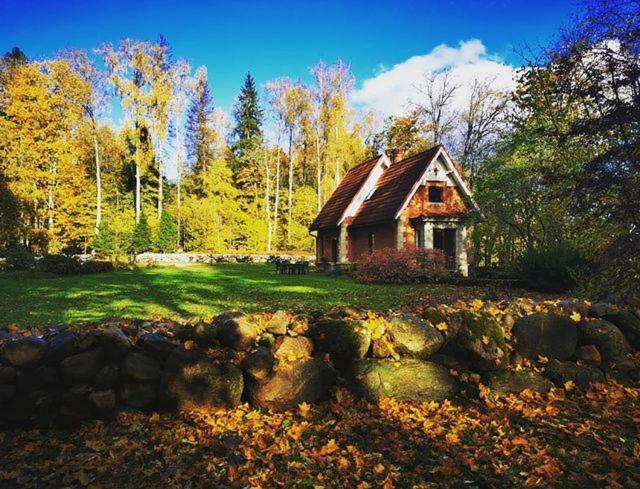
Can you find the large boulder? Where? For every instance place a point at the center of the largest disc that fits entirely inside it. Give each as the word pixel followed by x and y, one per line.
pixel 547 335
pixel 205 333
pixel 24 352
pixel 190 380
pixel 7 374
pixel 115 343
pixel 414 337
pixel 505 381
pixel 279 323
pixel 291 348
pixel 238 332
pixel 259 364
pixel 61 343
pixel 155 344
pixel 346 340
pixel 479 340
pixel 83 366
pixel 581 375
pixel 405 380
pixel 606 337
pixel 107 377
pixel 302 381
pixel 138 366
pixel 138 395
pixel 103 401
pixel 628 323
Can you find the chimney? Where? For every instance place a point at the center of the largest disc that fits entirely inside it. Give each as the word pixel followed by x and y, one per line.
pixel 395 155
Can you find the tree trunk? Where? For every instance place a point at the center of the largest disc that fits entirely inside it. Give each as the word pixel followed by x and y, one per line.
pixel 276 206
pixel 138 189
pixel 160 187
pixel 318 171
pixel 98 181
pixel 290 194
pixel 180 244
pixel 267 199
pixel 337 171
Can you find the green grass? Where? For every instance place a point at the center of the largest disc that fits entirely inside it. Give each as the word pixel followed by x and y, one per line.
pixel 186 291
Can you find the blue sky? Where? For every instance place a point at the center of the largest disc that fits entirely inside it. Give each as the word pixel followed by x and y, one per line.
pixel 273 39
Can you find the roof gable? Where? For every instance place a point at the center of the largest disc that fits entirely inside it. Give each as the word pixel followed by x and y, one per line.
pixel 333 211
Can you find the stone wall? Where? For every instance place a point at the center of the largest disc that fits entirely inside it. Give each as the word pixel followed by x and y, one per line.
pixel 218 257
pixel 281 360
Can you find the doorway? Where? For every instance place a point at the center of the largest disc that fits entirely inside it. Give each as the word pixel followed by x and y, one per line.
pixel 334 250
pixel 445 240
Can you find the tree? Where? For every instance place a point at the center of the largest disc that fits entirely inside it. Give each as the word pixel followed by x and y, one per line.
pixel 402 133
pixel 199 132
pixel 104 241
pixel 247 136
pixel 437 91
pixel 167 239
pixel 141 239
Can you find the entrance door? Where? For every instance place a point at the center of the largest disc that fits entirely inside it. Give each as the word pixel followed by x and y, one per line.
pixel 445 240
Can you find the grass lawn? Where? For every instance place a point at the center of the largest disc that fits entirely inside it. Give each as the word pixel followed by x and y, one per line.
pixel 191 290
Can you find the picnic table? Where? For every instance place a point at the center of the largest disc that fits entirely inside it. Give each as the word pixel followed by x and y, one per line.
pixel 285 267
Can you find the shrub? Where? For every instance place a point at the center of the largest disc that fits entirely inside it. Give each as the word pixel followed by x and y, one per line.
pixel 389 265
pixel 19 258
pixel 97 266
pixel 60 265
pixel 553 268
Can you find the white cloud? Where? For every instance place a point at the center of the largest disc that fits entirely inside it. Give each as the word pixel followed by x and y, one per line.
pixel 391 91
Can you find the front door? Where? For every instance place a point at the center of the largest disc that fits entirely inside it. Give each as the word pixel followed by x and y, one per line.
pixel 445 240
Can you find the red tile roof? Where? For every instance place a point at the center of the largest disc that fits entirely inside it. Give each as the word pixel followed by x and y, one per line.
pixel 343 195
pixel 392 188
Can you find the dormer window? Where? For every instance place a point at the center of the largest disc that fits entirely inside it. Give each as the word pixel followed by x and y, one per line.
pixel 370 193
pixel 435 195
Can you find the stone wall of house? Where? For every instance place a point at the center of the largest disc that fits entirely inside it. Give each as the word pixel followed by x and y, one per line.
pixel 277 361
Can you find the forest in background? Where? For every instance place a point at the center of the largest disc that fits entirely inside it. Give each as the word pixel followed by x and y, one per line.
pixel 554 165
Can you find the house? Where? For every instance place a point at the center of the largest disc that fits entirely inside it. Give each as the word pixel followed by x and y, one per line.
pixel 417 202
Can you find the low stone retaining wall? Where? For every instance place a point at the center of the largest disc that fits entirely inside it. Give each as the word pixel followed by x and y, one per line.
pixel 218 257
pixel 281 360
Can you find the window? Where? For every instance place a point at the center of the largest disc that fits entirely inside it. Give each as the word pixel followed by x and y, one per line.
pixel 372 243
pixel 435 195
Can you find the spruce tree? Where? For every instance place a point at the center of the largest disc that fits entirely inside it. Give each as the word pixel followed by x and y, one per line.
pixel 141 239
pixel 247 134
pixel 167 239
pixel 104 241
pixel 198 137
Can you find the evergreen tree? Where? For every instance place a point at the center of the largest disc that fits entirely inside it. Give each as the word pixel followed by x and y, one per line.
pixel 247 134
pixel 141 239
pixel 167 240
pixel 104 240
pixel 198 140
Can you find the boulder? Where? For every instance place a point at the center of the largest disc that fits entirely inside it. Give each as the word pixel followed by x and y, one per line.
pixel 307 381
pixel 601 309
pixel 413 337
pixel 259 363
pixel 138 395
pixel 40 377
pixel 291 348
pixel 238 332
pixel 61 343
pixel 547 335
pixel 107 377
pixel 155 344
pixel 7 374
pixel 77 393
pixel 115 343
pixel 607 338
pixel 190 380
pixel 479 340
pixel 405 380
pixel 204 333
pixel 505 381
pixel 589 354
pixel 24 352
pixel 279 323
pixel 82 367
pixel 381 347
pixel 346 340
pixel 629 324
pixel 7 393
pixel 267 340
pixel 138 366
pixel 88 340
pixel 103 401
pixel 581 375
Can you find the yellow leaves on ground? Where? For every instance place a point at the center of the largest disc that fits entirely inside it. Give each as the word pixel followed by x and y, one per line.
pixel 576 316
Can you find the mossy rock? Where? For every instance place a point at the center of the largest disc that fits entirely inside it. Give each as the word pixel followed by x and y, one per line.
pixel 413 337
pixel 346 340
pixel 481 337
pixel 546 335
pixel 504 382
pixel 434 315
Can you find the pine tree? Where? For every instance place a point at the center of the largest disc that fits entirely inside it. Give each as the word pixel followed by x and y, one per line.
pixel 141 239
pixel 167 239
pixel 198 118
pixel 104 240
pixel 247 134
